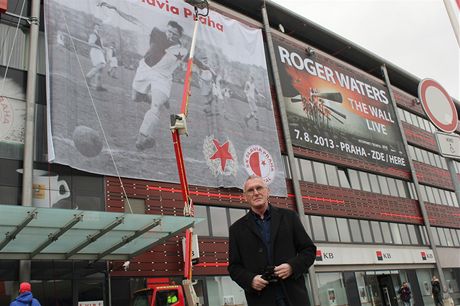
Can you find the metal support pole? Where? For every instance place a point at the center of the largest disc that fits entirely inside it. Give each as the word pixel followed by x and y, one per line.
pixel 425 217
pixel 109 284
pixel 24 265
pixel 287 140
pixel 30 107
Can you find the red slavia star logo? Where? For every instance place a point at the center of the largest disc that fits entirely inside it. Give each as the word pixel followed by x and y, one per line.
pixel 222 153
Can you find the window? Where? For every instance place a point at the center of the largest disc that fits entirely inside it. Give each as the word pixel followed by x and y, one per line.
pixel 413 194
pixel 366 229
pixel 384 185
pixel 343 179
pixel 374 183
pixel 318 228
pixel 450 202
pixel 344 231
pixel 202 228
pixel 408 117
pixel 331 289
pixel 320 173
pixel 418 155
pixel 331 229
pixel 332 175
pixel 392 186
pixel 218 219
pixel 412 152
pixel 404 233
pixel 430 194
pixel 427 125
pixel 135 206
pixel 401 114
pixel 412 234
pixel 386 232
pixel 377 232
pixel 9 40
pixel 426 159
pixel 395 232
pixel 432 159
pixel 442 193
pixel 442 236
pixel 414 119
pixel 166 297
pixel 221 290
pixel 438 161
pixel 423 193
pixel 434 233
pixel 421 124
pixel 355 231
pixel 287 169
pixel 448 235
pixel 235 214
pixel 306 170
pixel 425 238
pixel 364 181
pixel 295 165
pixel 454 199
pixel 437 196
pixel 354 179
pixel 455 240
pixel 444 164
pixel 306 225
pixel 402 191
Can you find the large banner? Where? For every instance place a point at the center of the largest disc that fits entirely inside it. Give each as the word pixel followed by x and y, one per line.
pixel 116 74
pixel 334 108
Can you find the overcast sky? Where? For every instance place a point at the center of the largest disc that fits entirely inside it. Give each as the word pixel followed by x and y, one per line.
pixel 415 35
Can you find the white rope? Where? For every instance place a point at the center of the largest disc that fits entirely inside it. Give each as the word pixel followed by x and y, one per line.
pixel 12 47
pixel 98 118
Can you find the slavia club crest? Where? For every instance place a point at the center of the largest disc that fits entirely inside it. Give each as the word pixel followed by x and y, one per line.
pixel 220 156
pixel 257 161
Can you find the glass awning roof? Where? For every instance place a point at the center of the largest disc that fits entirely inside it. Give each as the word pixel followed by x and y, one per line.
pixel 53 233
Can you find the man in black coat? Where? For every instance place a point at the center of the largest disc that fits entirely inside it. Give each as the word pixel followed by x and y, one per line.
pixel 269 251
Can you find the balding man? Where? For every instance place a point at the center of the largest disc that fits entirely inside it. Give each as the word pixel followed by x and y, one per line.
pixel 269 251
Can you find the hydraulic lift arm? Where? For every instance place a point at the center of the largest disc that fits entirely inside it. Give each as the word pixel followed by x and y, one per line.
pixel 178 128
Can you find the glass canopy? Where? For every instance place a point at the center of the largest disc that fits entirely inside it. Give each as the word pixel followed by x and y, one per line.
pixel 52 233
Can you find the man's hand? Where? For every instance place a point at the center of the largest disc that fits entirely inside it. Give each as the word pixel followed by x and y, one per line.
pixel 258 283
pixel 283 271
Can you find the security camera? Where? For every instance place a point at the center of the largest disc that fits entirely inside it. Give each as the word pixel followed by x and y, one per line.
pixel 310 51
pixel 126 265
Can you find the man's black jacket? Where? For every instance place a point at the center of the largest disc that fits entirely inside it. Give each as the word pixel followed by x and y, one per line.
pixel 248 258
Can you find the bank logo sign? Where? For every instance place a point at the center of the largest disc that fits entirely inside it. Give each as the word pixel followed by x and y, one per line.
pixel 335 108
pixel 319 256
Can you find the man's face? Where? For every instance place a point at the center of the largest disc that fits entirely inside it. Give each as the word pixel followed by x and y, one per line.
pixel 172 34
pixel 256 193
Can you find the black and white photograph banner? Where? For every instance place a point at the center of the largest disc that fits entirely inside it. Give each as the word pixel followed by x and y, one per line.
pixel 116 72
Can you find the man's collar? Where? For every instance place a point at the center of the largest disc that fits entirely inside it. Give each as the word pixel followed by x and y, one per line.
pixel 267 213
